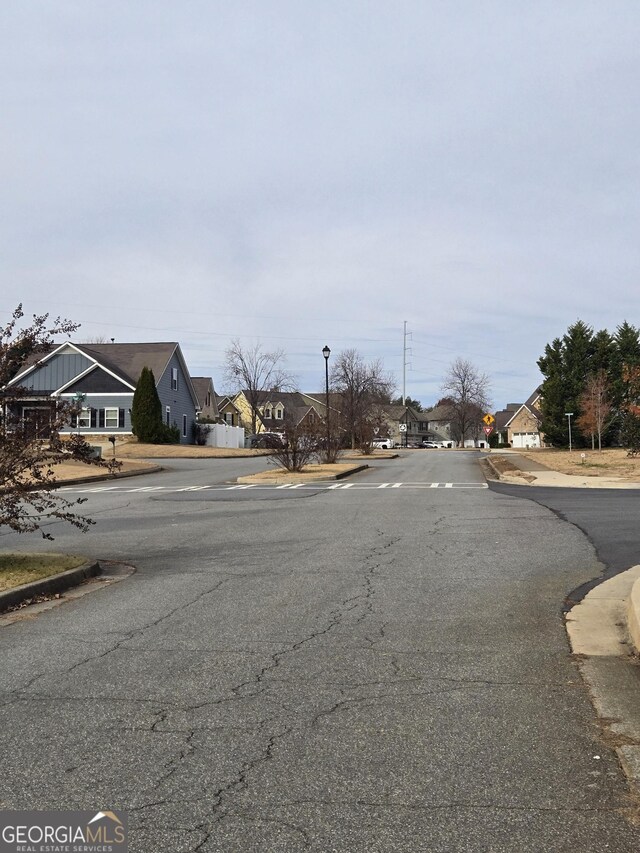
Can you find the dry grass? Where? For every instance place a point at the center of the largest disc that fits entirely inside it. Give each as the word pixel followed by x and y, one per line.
pixel 308 473
pixel 611 462
pixel 136 450
pixel 17 569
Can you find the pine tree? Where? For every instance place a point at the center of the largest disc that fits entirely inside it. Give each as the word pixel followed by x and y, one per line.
pixel 146 409
pixel 626 357
pixel 553 394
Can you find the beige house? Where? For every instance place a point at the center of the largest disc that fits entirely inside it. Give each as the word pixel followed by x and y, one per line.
pixel 272 410
pixel 228 412
pixel 519 424
pixel 208 406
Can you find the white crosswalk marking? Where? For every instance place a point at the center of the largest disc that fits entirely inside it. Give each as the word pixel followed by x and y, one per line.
pixel 256 487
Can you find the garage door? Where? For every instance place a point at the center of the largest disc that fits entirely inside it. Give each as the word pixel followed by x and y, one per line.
pixel 525 439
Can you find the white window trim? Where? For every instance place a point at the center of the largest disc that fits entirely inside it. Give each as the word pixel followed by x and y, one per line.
pixel 84 418
pixel 108 417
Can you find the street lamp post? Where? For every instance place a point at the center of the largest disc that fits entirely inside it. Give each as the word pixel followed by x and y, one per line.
pixel 326 352
pixel 568 416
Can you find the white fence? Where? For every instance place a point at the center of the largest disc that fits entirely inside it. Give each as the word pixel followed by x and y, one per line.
pixel 222 435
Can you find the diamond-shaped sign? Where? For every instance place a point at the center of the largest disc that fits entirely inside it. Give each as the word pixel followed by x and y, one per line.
pixel 488 419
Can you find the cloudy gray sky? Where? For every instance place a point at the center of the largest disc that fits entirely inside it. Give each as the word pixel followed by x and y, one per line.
pixel 309 173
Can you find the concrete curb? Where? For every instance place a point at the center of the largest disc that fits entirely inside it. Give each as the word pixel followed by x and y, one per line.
pixel 48 586
pixel 599 629
pixel 285 479
pixel 633 616
pixel 522 479
pixel 77 481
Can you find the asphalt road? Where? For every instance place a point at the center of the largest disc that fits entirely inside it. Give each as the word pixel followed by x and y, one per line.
pixel 378 668
pixel 608 517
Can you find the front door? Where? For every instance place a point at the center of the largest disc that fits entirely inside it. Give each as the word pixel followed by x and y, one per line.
pixel 36 421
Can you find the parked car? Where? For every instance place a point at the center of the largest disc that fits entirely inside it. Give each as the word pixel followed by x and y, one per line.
pixel 265 439
pixel 430 444
pixel 382 443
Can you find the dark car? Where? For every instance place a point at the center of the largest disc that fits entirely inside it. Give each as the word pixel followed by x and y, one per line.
pixel 268 440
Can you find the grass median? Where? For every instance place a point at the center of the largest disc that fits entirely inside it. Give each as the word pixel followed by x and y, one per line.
pixel 18 569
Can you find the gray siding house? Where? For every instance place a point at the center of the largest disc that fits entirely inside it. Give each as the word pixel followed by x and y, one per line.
pixel 102 378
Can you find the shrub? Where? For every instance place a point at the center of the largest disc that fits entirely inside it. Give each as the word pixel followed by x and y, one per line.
pixel 146 411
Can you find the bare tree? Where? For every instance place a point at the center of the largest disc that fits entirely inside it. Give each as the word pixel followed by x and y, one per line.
pixel 30 452
pixel 299 443
pixel 361 385
pixel 253 370
pixel 594 407
pixel 466 393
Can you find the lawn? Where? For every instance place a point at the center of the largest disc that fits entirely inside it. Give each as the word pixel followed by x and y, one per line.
pixel 611 462
pixel 17 569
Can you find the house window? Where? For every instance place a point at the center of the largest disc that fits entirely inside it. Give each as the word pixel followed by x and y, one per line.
pixel 279 414
pixel 174 378
pixel 184 426
pixel 267 413
pixel 111 418
pixel 84 418
pixel 228 416
pixel 168 416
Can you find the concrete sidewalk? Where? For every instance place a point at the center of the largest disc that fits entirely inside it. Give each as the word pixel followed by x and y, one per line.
pixel 522 471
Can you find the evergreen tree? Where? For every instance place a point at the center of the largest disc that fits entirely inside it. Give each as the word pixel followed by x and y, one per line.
pixel 570 363
pixel 566 364
pixel 626 356
pixel 553 393
pixel 146 409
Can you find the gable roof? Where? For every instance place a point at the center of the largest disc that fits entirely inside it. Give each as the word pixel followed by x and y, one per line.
pixel 124 361
pixel 438 413
pixel 202 386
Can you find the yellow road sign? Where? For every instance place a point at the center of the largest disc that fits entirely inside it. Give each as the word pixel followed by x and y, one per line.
pixel 488 419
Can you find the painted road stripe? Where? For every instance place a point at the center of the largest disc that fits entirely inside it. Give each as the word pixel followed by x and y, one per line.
pixel 318 486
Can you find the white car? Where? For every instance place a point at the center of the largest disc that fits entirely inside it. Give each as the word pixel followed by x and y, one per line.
pixel 430 444
pixel 382 443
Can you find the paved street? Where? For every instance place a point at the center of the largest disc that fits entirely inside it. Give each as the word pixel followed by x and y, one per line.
pixel 382 667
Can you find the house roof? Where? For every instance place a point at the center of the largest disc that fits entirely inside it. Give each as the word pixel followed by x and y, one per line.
pixel 502 419
pixel 123 360
pixel 399 413
pixel 530 403
pixel 202 385
pixel 438 413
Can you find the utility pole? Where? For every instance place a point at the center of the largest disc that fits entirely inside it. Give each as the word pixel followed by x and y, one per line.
pixel 404 364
